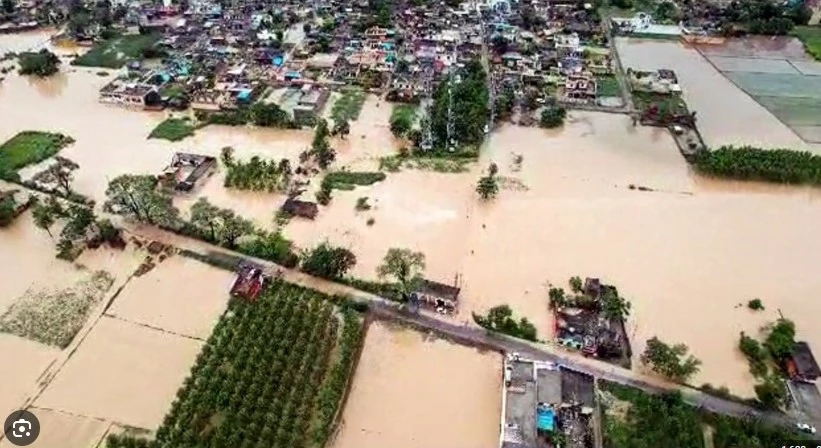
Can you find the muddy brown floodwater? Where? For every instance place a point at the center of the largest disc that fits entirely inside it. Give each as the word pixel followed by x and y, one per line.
pixel 410 392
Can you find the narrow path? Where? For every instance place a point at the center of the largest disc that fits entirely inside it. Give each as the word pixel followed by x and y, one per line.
pixel 477 337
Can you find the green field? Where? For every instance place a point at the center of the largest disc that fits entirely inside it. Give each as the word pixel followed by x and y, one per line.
pixel 28 148
pixel 348 106
pixel 811 37
pixel 272 374
pixel 117 51
pixel 607 86
pixel 173 129
pixel 795 111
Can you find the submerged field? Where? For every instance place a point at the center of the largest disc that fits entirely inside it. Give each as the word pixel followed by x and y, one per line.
pixel 413 392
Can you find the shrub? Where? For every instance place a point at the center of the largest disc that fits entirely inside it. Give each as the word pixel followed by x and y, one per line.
pixel 500 319
pixel 755 305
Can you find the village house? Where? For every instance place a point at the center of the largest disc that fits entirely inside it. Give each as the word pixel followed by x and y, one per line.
pixel 437 296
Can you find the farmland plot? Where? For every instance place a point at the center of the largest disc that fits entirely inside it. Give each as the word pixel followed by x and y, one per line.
pixel 271 375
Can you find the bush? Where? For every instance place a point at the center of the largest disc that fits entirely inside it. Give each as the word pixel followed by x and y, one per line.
pixel 362 204
pixel 42 63
pixel 755 305
pixel 756 355
pixel 271 246
pixel 500 319
pixel 671 361
pixel 402 119
pixel 552 117
pixel 328 262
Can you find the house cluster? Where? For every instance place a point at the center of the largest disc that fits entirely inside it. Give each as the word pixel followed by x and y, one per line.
pixel 548 49
pixel 546 405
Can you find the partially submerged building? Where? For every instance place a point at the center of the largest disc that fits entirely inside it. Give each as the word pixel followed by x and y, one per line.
pixel 303 209
pixel 186 169
pixel 802 365
pixel 249 282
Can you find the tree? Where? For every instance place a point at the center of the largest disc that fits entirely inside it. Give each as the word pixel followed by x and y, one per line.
pixel 42 63
pixel 80 219
pixel 552 117
pixel 756 355
pixel 405 266
pixel 43 217
pixel 8 6
pixel 487 187
pixel 557 298
pixel 781 340
pixel 613 306
pixel 204 216
pixel 60 173
pixel 771 392
pixel 320 147
pixel 342 128
pixel 576 284
pixel 8 210
pixel 328 262
pixel 137 196
pixel 755 305
pixel 269 115
pixel 233 227
pixel 670 361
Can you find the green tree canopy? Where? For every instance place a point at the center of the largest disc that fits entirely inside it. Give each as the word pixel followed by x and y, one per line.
pixel 670 361
pixel 781 340
pixel 488 187
pixel 328 262
pixel 137 196
pixel 42 63
pixel 405 266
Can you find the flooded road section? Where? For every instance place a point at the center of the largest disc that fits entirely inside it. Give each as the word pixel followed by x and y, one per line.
pixel 411 392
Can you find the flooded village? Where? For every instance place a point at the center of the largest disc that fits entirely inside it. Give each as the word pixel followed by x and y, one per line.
pixel 352 223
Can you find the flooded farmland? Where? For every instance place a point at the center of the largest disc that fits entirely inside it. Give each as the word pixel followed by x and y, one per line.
pixel 411 392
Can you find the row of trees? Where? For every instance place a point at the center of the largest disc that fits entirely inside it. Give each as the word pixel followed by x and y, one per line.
pixel 766 359
pixel 767 16
pixel 267 371
pixel 750 163
pixel 500 319
pixel 256 174
pixel 470 107
pixel 321 149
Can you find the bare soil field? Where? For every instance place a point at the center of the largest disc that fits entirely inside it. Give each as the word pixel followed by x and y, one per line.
pixel 61 430
pixel 179 295
pixel 411 392
pixel 122 372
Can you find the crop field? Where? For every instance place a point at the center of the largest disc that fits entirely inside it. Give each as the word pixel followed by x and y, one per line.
pixel 271 375
pixel 785 83
pixel 116 52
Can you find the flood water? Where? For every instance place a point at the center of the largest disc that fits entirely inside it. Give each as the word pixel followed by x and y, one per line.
pixel 686 254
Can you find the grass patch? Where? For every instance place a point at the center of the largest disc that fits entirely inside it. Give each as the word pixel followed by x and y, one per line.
pixel 348 106
pixel 348 180
pixel 117 51
pixel 173 129
pixel 28 148
pixel 607 86
pixel 273 373
pixel 54 318
pixel 438 164
pixel 810 36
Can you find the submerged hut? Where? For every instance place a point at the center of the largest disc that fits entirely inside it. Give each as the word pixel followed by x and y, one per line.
pixel 801 364
pixel 439 296
pixel 296 207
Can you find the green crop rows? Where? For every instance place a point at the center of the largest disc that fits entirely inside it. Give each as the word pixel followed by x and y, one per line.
pixel 272 374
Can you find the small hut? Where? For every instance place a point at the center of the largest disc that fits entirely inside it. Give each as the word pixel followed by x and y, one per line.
pixel 802 365
pixel 443 298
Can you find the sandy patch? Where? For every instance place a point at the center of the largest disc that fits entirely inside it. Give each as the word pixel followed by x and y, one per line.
pixel 179 295
pixel 25 361
pixel 122 372
pixel 61 430
pixel 412 392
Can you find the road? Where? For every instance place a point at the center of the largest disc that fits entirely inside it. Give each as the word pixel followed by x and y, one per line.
pixel 474 336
